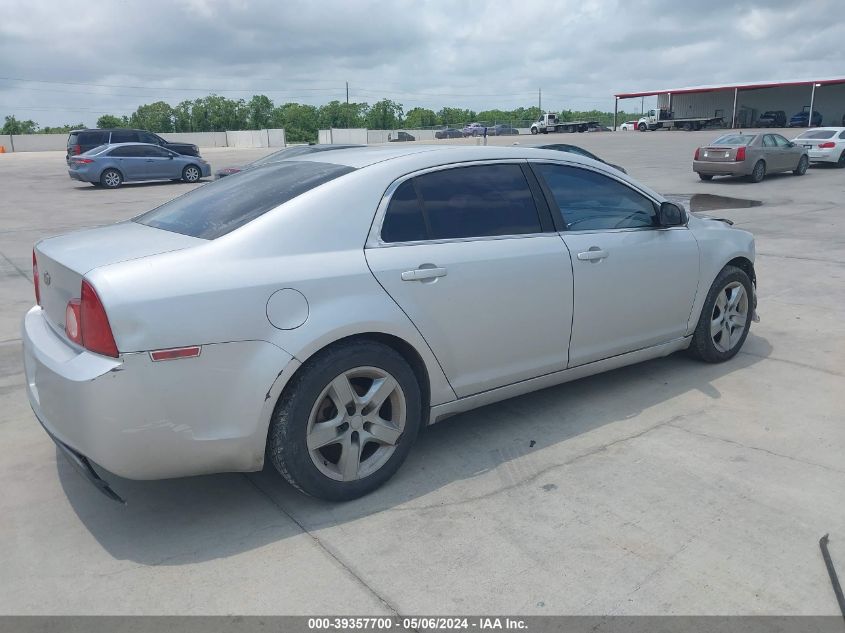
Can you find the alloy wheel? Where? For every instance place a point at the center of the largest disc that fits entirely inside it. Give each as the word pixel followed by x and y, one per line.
pixel 730 316
pixel 356 423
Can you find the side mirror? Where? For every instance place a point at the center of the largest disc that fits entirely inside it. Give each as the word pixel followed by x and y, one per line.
pixel 670 214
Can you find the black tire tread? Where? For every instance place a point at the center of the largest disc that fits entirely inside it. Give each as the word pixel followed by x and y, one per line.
pixel 702 346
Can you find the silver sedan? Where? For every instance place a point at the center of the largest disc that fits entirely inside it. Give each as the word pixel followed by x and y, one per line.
pixel 317 312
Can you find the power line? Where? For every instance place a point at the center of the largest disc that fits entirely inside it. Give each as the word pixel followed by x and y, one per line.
pixel 83 83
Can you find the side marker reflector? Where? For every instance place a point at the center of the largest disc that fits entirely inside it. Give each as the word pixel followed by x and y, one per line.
pixel 176 353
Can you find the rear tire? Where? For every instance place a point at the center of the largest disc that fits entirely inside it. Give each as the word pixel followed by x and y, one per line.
pixel 191 174
pixel 841 162
pixel 759 172
pixel 111 179
pixel 312 458
pixel 803 163
pixel 706 176
pixel 725 317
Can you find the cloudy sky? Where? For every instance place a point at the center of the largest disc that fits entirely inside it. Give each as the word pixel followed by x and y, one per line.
pixel 69 61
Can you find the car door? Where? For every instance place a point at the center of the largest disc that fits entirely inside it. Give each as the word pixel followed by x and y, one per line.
pixel 790 153
pixel 469 256
pixel 131 162
pixel 634 282
pixel 160 163
pixel 774 157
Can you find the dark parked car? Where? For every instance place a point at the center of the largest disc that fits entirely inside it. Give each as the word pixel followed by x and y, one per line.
pixel 448 132
pixel 81 141
pixel 111 165
pixel 403 136
pixel 503 130
pixel 282 154
pixel 574 149
pixel 772 118
pixel 799 119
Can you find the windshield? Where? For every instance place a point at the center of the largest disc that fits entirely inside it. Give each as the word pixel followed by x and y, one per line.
pixel 818 134
pixel 734 139
pixel 224 205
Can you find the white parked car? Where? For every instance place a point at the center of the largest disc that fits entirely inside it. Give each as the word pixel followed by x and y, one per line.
pixel 823 144
pixel 628 125
pixel 318 311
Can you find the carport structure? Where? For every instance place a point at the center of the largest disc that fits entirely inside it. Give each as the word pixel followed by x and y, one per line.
pixel 742 103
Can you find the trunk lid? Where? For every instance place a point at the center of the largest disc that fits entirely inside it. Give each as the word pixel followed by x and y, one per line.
pixel 718 154
pixel 63 261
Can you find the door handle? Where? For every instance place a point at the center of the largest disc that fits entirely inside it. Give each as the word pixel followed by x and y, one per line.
pixel 592 255
pixel 421 274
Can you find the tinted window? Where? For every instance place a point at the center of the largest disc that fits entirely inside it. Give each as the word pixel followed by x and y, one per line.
pixel 589 200
pixel 780 141
pixel 93 138
pixel 155 152
pixel 734 139
pixel 128 151
pixel 96 150
pixel 403 221
pixel 224 205
pixel 768 141
pixel 477 201
pixel 124 136
pixel 146 137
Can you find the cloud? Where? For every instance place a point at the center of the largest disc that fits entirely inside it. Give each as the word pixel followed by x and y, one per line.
pixel 428 53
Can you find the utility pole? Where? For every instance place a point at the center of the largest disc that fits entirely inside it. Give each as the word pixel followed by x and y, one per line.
pixel 346 116
pixel 347 93
pixel 540 99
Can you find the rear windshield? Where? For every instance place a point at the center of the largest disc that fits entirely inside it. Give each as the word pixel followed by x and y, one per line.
pixel 96 150
pixel 224 205
pixel 734 139
pixel 818 134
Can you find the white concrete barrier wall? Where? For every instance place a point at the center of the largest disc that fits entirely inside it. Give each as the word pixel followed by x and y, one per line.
pixel 247 138
pixel 39 142
pixel 354 136
pixel 6 142
pixel 276 137
pixel 200 139
pixel 324 137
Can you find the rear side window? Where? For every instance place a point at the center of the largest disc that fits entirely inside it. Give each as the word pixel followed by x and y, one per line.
pixel 403 221
pixel 91 138
pixel 224 205
pixel 127 151
pixel 593 201
pixel 124 136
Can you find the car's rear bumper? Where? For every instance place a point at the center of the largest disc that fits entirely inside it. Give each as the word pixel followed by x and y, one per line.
pixel 824 155
pixel 716 168
pixel 141 419
pixel 81 176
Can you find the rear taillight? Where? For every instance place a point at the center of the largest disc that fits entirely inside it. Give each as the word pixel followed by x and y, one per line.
pixel 73 317
pixel 827 145
pixel 87 324
pixel 35 278
pixel 696 154
pixel 740 153
pixel 82 161
pixel 77 149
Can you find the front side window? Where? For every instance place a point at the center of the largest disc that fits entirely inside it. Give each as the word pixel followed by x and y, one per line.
pixel 768 141
pixel 156 152
pixel 780 141
pixel 146 137
pixel 592 201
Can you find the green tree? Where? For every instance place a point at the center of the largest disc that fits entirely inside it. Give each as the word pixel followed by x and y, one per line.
pixel 62 129
pixel 183 118
pixel 13 126
pixel 300 122
pixel 259 111
pixel 455 116
pixel 420 117
pixel 109 120
pixel 384 115
pixel 337 114
pixel 155 117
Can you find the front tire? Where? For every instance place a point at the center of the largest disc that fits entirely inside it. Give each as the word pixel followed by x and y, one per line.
pixel 725 318
pixel 191 174
pixel 803 163
pixel 111 179
pixel 642 127
pixel 346 422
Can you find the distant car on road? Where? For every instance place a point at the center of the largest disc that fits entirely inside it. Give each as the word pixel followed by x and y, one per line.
pixel 502 130
pixel 402 137
pixel 628 125
pixel 799 119
pixel 751 155
pixel 112 165
pixel 81 141
pixel 772 118
pixel 574 149
pixel 448 132
pixel 282 154
pixel 824 144
pixel 473 129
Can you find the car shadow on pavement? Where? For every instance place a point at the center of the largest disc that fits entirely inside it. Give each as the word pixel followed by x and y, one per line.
pixel 190 520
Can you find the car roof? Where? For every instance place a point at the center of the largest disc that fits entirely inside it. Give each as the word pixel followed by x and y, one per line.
pixel 826 128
